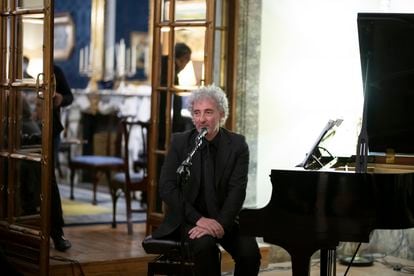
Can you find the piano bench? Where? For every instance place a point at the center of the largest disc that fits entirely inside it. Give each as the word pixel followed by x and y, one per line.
pixel 165 265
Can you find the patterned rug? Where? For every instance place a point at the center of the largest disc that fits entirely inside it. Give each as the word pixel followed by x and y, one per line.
pixel 81 211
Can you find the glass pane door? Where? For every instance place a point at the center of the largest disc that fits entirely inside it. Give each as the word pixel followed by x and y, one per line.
pixel 25 142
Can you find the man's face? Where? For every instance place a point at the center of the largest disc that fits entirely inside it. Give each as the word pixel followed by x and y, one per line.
pixel 181 62
pixel 206 114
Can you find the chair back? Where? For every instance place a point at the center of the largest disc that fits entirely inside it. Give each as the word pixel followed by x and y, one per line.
pixel 133 131
pixel 111 136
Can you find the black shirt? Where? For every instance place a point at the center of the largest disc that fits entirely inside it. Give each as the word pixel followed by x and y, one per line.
pixel 206 194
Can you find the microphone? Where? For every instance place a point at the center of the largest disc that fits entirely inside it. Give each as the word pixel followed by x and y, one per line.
pixel 203 132
pixel 184 167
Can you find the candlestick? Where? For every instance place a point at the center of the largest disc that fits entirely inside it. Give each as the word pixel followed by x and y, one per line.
pixel 81 53
pixel 133 60
pixel 91 55
pixel 128 60
pixel 87 58
pixel 120 62
pixel 88 67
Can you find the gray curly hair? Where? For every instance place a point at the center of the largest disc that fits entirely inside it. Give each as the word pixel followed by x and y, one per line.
pixel 210 92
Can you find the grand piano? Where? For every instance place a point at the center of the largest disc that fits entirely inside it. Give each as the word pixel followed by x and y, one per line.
pixel 314 208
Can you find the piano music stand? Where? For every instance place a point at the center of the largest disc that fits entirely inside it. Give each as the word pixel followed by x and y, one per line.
pixel 313 157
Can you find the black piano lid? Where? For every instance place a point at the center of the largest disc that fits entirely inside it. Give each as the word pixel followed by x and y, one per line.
pixel 386 42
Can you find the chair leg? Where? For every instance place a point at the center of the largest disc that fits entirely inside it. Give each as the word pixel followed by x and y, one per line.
pixel 128 211
pixel 72 178
pixel 58 166
pixel 144 201
pixel 115 196
pixel 95 185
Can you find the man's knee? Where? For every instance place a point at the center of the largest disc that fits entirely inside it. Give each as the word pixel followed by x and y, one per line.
pixel 206 256
pixel 203 244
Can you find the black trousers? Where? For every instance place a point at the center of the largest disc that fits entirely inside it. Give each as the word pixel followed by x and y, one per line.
pixel 56 213
pixel 206 254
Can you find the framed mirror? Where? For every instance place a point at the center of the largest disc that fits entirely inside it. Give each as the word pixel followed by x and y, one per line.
pixel 64 36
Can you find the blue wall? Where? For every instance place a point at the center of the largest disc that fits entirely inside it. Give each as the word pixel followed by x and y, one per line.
pixel 132 15
pixel 80 10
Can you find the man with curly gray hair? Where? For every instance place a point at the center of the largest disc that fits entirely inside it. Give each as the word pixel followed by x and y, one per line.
pixel 212 92
pixel 208 206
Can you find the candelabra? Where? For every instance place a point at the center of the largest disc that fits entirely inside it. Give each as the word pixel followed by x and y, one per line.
pixel 89 67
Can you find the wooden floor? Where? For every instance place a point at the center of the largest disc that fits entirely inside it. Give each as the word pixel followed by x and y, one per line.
pixel 101 250
pixel 378 269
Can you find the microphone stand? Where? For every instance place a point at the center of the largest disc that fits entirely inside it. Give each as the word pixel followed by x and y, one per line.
pixel 184 168
pixel 183 176
pixel 362 146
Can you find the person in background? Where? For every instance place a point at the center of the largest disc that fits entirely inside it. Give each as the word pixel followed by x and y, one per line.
pixel 207 207
pixel 26 75
pixel 63 97
pixel 182 55
pixel 182 58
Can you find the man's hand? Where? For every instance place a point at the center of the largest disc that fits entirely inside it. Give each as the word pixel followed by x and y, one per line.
pixel 197 232
pixel 206 226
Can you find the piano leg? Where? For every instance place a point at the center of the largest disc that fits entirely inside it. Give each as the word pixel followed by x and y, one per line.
pixel 300 264
pixel 300 256
pixel 301 253
pixel 328 262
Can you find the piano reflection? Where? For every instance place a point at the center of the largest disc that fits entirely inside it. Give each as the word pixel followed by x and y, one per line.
pixel 312 210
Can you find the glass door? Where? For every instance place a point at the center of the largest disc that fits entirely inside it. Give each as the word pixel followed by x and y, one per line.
pixel 26 134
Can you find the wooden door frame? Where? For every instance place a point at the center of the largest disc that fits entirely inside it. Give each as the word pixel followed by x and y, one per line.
pixel 31 243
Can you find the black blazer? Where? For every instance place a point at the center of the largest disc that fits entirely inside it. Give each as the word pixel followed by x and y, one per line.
pixel 63 88
pixel 231 170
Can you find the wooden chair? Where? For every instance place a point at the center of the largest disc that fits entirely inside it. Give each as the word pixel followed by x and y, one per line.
pixel 130 180
pixel 98 163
